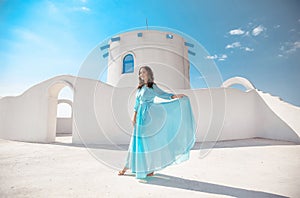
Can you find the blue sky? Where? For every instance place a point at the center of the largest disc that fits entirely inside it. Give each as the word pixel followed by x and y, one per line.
pixel 256 39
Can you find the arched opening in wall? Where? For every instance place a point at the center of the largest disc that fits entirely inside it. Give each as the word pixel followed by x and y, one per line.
pixel 240 83
pixel 239 87
pixel 64 115
pixel 60 112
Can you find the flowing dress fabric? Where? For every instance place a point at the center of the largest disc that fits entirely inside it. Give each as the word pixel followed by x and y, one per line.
pixel 164 132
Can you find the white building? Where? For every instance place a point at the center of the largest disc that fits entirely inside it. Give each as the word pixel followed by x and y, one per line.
pixel 102 112
pixel 165 52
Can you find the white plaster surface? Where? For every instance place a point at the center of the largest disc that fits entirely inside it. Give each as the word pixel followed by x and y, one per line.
pixel 241 168
pixel 168 58
pixel 102 113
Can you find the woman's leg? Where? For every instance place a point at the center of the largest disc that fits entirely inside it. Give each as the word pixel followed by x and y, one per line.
pixel 122 172
pixel 150 174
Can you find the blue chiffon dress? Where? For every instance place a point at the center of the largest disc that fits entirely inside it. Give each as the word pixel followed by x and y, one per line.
pixel 164 132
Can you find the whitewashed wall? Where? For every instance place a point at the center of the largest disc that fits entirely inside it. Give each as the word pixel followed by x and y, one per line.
pixel 64 125
pixel 168 58
pixel 102 113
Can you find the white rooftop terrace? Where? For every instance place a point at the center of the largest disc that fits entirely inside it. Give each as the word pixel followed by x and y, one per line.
pixel 253 167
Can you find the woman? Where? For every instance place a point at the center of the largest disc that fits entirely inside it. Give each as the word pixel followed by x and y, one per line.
pixel 163 133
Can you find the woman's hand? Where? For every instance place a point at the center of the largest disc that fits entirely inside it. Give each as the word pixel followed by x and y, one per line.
pixel 178 96
pixel 134 118
pixel 133 121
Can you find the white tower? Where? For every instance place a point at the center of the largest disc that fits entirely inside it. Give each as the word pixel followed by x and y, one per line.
pixel 165 52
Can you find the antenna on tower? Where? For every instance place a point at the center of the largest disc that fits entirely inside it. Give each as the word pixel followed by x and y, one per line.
pixel 147 23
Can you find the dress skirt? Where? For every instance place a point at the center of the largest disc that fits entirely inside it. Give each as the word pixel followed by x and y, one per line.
pixel 163 135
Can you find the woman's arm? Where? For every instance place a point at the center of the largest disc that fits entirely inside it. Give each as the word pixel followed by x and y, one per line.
pixel 178 96
pixel 137 102
pixel 134 118
pixel 135 108
pixel 162 94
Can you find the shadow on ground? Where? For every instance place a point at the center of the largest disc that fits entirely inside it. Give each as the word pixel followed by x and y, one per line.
pixel 66 141
pixel 187 184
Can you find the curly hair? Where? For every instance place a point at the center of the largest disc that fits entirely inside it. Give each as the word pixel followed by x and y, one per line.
pixel 150 81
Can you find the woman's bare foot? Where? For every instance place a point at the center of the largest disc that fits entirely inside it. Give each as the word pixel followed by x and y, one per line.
pixel 122 172
pixel 150 174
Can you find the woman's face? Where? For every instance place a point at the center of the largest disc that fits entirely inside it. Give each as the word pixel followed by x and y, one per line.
pixel 143 74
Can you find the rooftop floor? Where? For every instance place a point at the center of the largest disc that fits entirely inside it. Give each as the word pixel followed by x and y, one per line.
pixel 241 168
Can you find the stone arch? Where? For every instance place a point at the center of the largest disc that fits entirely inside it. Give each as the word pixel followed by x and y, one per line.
pixel 53 91
pixel 240 81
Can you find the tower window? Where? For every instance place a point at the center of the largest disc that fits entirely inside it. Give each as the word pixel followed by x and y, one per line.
pixel 128 64
pixel 140 34
pixel 191 52
pixel 105 55
pixel 188 44
pixel 104 47
pixel 115 39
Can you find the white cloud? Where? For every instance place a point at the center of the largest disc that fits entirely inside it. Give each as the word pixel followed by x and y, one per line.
pixel 239 46
pixel 212 57
pixel 289 47
pixel 297 44
pixel 249 49
pixel 85 9
pixel 259 29
pixel 55 9
pixel 293 47
pixel 236 32
pixel 81 9
pixel 233 45
pixel 223 57
pixel 247 33
pixel 220 57
pixel 55 12
pixel 276 26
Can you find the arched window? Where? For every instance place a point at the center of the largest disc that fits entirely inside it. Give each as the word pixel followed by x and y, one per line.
pixel 128 64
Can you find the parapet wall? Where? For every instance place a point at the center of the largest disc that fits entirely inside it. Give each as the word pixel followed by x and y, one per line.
pixel 102 113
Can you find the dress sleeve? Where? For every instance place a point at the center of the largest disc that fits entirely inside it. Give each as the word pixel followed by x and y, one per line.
pixel 160 93
pixel 137 102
